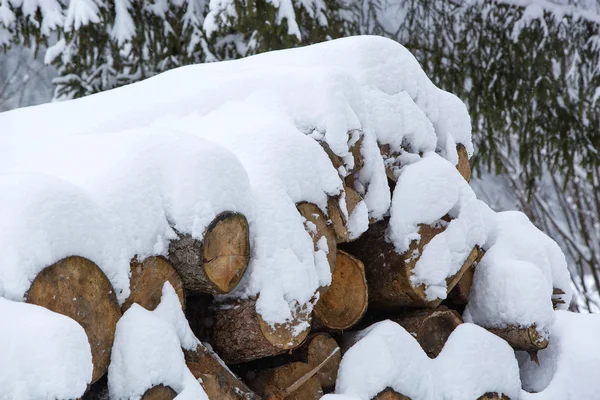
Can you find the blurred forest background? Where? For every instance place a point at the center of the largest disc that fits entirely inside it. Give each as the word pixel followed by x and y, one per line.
pixel 528 70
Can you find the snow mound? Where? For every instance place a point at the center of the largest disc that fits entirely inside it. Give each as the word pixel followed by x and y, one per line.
pixel 387 356
pixel 147 351
pixel 44 355
pixel 569 366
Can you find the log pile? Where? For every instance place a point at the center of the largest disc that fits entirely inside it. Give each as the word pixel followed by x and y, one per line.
pixel 298 360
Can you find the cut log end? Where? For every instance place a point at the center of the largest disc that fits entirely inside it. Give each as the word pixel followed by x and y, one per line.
pixel 493 396
pixel 315 350
pixel 463 166
pixel 390 394
pixel 526 339
pixel 288 382
pixel 431 328
pixel 217 263
pixel 77 288
pixel 346 300
pixel 159 392
pixel 239 334
pixel 317 227
pixel 339 222
pixel 147 280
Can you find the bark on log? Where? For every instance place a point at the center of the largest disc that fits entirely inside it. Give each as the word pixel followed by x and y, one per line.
pixel 431 328
pixel 346 300
pixel 147 280
pixel 77 288
pixel 272 384
pixel 314 351
pixel 526 339
pixel 388 273
pixel 239 334
pixel 218 381
pixel 317 226
pixel 159 392
pixel 337 218
pixel 390 394
pixel 463 166
pixel 216 263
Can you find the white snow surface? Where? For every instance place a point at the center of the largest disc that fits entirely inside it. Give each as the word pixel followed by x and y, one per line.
pixel 569 366
pixel 387 356
pixel 246 140
pixel 43 355
pixel 147 351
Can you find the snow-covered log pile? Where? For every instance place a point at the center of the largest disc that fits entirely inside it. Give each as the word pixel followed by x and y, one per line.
pixel 280 227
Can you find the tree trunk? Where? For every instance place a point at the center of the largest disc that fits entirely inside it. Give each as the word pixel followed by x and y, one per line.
pixel 316 349
pixel 317 226
pixel 216 263
pixel 77 288
pixel 431 328
pixel 390 394
pixel 388 273
pixel 275 384
pixel 239 334
pixel 463 166
pixel 346 300
pixel 159 392
pixel 147 280
pixel 526 339
pixel 218 381
pixel 337 218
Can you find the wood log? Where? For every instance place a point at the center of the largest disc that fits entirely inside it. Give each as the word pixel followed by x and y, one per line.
pixel 459 295
pixel 346 300
pixel 557 297
pixel 493 396
pixel 218 381
pixel 288 382
pixel 463 166
pixel 216 263
pixel 390 394
pixel 317 348
pixel 239 334
pixel 159 392
pixel 388 273
pixel 526 339
pixel 147 280
pixel 431 328
pixel 355 139
pixel 317 226
pixel 77 288
pixel 337 218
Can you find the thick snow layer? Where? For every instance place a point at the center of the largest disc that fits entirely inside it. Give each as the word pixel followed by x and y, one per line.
pixel 472 362
pixel 270 111
pixel 43 355
pixel 426 191
pixel 147 351
pixel 569 366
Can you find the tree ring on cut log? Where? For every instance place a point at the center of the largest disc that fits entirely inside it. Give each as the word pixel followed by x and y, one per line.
pixel 346 300
pixel 216 263
pixel 159 392
pixel 319 347
pixel 339 222
pixel 319 228
pixel 147 280
pixel 77 288
pixel 281 336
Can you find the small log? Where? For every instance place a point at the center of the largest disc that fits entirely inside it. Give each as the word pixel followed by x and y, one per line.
pixel 77 288
pixel 159 392
pixel 346 300
pixel 317 348
pixel 526 339
pixel 216 263
pixel 388 273
pixel 459 295
pixel 493 396
pixel 218 381
pixel 288 382
pixel 431 328
pixel 147 280
pixel 463 166
pixel 317 227
pixel 355 139
pixel 239 334
pixel 557 297
pixel 337 218
pixel 390 394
